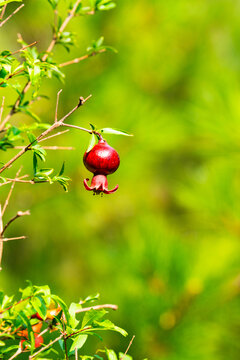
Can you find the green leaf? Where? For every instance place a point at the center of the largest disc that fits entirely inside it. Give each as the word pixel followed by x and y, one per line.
pixel 99 41
pixel 72 311
pixel 111 355
pixel 110 48
pixel 92 142
pixel 91 298
pixel 105 5
pixel 31 138
pixel 126 356
pixel 78 342
pixel 39 305
pixel 35 164
pixel 62 169
pixel 59 301
pixel 3 73
pixel 26 110
pixel 114 132
pixel 53 3
pixel 108 325
pixel 5 2
pixel 39 151
pixel 92 315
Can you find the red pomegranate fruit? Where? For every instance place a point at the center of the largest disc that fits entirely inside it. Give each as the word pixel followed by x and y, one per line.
pixel 101 160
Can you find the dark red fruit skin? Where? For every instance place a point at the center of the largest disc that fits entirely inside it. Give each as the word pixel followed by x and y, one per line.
pixel 102 159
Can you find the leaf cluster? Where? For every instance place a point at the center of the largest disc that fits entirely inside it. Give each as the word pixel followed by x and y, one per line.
pixel 72 322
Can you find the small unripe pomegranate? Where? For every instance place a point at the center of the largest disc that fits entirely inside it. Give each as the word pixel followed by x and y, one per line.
pixel 101 160
pixel 51 313
pixel 38 338
pixel 38 342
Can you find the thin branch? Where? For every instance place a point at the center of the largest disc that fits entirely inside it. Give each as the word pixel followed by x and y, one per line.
pixel 3 12
pixel 45 133
pixel 12 75
pixel 77 127
pixel 19 214
pixel 50 147
pixel 16 180
pixel 79 331
pixel 18 302
pixel 1 242
pixel 13 110
pixel 10 193
pixel 127 348
pixel 56 112
pixel 64 24
pixel 51 136
pixel 18 352
pixel 11 15
pixel 65 341
pixel 76 353
pixel 22 49
pixel 2 106
pixel 98 307
pixel 14 238
pixel 43 332
pixel 46 347
pixel 45 56
pixel 84 57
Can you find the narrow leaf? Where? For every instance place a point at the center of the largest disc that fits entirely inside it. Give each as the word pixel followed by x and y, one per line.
pixel 114 132
pixel 79 341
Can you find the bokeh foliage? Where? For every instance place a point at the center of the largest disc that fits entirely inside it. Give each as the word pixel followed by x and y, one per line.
pixel 165 247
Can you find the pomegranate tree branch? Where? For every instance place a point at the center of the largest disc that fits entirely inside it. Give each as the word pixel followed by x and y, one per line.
pixel 63 26
pixel 51 136
pixel 14 238
pixel 3 12
pixel 50 147
pixel 1 241
pixel 42 135
pixel 13 110
pixel 19 214
pixel 65 342
pixel 10 192
pixel 56 112
pixel 1 109
pixel 77 127
pixel 46 347
pixel 18 352
pixel 84 57
pixel 22 49
pixel 11 15
pixel 98 307
pixel 45 56
pixel 17 303
pixel 127 348
pixel 12 75
pixel 8 180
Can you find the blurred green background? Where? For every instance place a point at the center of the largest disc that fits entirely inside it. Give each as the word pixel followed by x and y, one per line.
pixel 165 247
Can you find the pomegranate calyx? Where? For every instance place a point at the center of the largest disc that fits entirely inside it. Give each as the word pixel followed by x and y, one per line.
pixel 99 184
